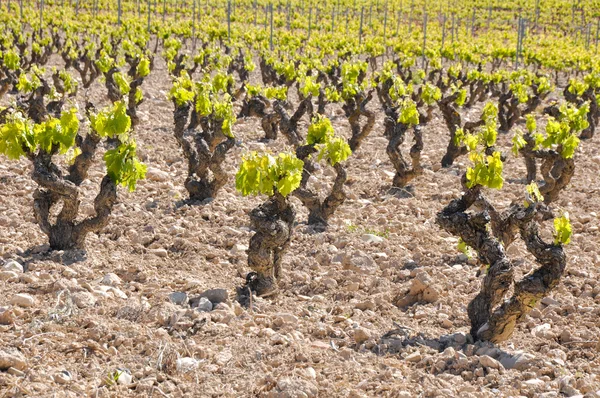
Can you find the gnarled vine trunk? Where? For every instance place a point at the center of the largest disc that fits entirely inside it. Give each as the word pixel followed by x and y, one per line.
pixel 205 153
pixel 319 210
pixel 273 223
pixel 492 317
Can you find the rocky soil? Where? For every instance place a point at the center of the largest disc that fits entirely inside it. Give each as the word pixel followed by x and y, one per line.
pixel 149 310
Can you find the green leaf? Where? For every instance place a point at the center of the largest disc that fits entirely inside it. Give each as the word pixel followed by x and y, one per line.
pixel 122 81
pixel 143 68
pixel 112 122
pixel 123 167
pixel 562 229
pixel 262 174
pixel 319 131
pixel 16 136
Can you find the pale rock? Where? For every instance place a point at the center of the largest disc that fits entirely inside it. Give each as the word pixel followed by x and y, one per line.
pixel 204 305
pixel 154 174
pixel 361 335
pixel 13 266
pixel 12 358
pixel 124 378
pixel 285 319
pixel 162 253
pixel 111 279
pixel 549 301
pixel 63 377
pixel 490 362
pixel 518 361
pixel 7 316
pixel 361 262
pixel 223 357
pixel 187 364
pixel 8 275
pixel 179 298
pixel 329 283
pixel 365 305
pixel 543 331
pixel 216 296
pixel 371 238
pixel 414 357
pixel 83 299
pixel 22 300
pixel 239 249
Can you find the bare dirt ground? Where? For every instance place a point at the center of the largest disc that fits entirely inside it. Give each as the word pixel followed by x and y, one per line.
pixel 332 331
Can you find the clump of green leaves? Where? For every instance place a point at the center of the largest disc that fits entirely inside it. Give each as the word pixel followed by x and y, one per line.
pixel 322 135
pixel 562 229
pixel 561 133
pixel 123 167
pixel 265 174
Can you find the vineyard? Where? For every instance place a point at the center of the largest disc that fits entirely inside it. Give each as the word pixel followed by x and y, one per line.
pixel 299 199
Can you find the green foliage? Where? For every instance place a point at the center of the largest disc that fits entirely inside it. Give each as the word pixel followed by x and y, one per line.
pixel 518 143
pixel 11 60
pixel 309 86
pixel 112 122
pixel 533 194
pixel 431 93
pixel 561 133
pixel 265 174
pixel 123 167
pixel 182 90
pixel 409 115
pixel 57 132
pixel 336 150
pixel 530 123
pixel 123 82
pixel 321 133
pixel 486 171
pixel 16 136
pixel 279 93
pixel 562 229
pixel 143 68
pixel 464 248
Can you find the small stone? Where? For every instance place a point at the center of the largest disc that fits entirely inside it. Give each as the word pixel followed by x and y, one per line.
pixel 518 361
pixel 154 174
pixel 361 262
pixel 112 351
pixel 22 300
pixel 361 335
pixel 179 298
pixel 447 323
pixel 13 266
pixel 239 249
pixel 204 305
pixel 63 377
pixel 542 331
pixel 83 299
pixel 124 378
pixel 216 296
pixel 287 319
pixel 111 279
pixel 414 357
pixel 370 238
pixel 489 362
pixel 7 316
pixel 329 283
pixel 365 305
pixel 8 275
pixel 162 253
pixel 549 301
pixel 12 359
pixel 187 364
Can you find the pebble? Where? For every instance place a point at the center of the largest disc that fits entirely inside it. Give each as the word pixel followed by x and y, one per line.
pixel 63 377
pixel 163 253
pixel 154 174
pixel 8 275
pixel 216 296
pixel 124 377
pixel 83 299
pixel 370 238
pixel 111 279
pixel 22 300
pixel 179 298
pixel 414 357
pixel 239 249
pixel 13 266
pixel 187 364
pixel 361 335
pixel 489 362
pixel 12 360
pixel 204 305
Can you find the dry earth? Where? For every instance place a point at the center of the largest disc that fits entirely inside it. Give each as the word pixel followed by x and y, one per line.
pixel 332 331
